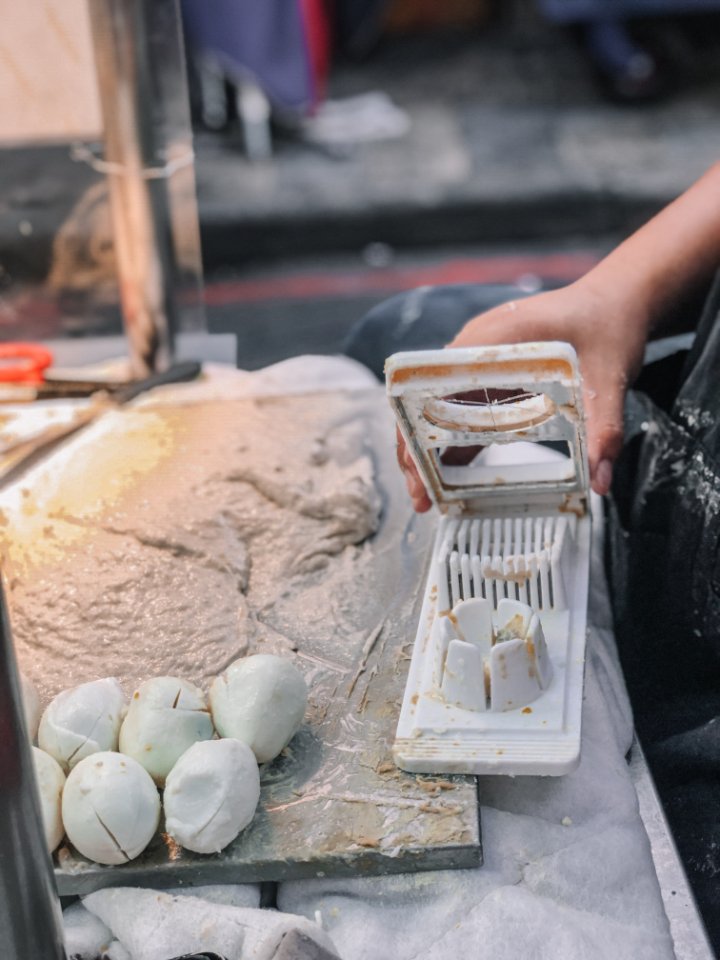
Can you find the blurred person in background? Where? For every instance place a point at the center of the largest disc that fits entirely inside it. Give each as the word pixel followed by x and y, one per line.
pixel 274 60
pixel 274 54
pixel 629 66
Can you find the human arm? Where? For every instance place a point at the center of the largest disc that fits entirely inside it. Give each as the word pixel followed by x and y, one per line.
pixel 608 315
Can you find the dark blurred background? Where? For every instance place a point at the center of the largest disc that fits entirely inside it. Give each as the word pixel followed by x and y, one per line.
pixel 355 148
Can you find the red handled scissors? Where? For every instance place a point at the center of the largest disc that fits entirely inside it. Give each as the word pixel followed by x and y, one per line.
pixel 28 375
pixel 24 379
pixel 33 358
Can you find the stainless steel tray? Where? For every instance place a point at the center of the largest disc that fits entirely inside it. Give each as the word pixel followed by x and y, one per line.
pixel 335 804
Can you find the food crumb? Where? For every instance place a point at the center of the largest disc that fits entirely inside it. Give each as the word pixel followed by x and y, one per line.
pixel 429 786
pixel 566 822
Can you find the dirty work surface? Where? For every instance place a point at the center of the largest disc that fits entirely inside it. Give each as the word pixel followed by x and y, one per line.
pixel 283 560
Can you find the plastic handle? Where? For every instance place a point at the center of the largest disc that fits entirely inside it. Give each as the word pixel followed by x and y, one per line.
pixel 37 360
pixel 178 373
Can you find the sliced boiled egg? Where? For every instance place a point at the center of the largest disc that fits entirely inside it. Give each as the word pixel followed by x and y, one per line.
pixel 50 781
pixel 166 716
pixel 82 721
pixel 110 808
pixel 211 794
pixel 260 700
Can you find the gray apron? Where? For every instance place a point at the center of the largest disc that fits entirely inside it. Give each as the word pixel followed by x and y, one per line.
pixel 663 555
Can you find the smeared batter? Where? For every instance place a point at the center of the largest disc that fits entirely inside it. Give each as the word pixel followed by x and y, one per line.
pixel 177 539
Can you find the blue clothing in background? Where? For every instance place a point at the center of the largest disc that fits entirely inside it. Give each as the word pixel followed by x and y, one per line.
pixel 265 41
pixel 568 11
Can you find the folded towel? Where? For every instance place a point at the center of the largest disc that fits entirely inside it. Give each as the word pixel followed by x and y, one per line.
pixel 138 924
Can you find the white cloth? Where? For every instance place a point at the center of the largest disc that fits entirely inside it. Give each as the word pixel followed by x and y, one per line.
pixel 86 937
pixel 567 875
pixel 126 923
pixel 567 871
pixel 297 375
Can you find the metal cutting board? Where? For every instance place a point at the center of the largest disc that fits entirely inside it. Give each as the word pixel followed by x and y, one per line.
pixel 335 804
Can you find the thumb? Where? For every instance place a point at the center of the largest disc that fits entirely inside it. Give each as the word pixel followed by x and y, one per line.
pixel 416 489
pixel 604 396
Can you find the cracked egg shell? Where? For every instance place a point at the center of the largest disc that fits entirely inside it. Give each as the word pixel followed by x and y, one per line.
pixel 260 700
pixel 31 705
pixel 211 794
pixel 82 721
pixel 50 781
pixel 110 808
pixel 166 716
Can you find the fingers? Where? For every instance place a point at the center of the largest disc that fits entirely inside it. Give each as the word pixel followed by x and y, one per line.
pixel 607 359
pixel 418 494
pixel 604 398
pixel 554 316
pixel 539 317
pixel 494 326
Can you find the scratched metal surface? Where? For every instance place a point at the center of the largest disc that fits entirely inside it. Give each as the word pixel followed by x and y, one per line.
pixel 335 804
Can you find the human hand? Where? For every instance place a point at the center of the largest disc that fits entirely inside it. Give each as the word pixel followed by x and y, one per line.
pixel 608 332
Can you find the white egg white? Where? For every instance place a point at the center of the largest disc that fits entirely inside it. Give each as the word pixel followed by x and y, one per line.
pixel 166 716
pixel 110 808
pixel 50 782
pixel 260 700
pixel 82 721
pixel 211 794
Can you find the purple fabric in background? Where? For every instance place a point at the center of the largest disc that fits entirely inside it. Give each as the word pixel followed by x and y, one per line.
pixel 265 40
pixel 574 10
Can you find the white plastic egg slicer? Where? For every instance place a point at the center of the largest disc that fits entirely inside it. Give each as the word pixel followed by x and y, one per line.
pixel 496 677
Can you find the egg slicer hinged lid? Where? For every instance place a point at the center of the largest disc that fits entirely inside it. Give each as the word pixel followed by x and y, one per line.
pixel 496 677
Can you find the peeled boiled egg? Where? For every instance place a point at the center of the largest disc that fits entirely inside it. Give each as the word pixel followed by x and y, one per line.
pixel 165 717
pixel 82 721
pixel 50 781
pixel 31 705
pixel 211 794
pixel 110 808
pixel 260 700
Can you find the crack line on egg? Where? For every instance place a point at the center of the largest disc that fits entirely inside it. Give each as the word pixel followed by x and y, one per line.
pixel 112 836
pixel 212 817
pixel 87 737
pixel 189 711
